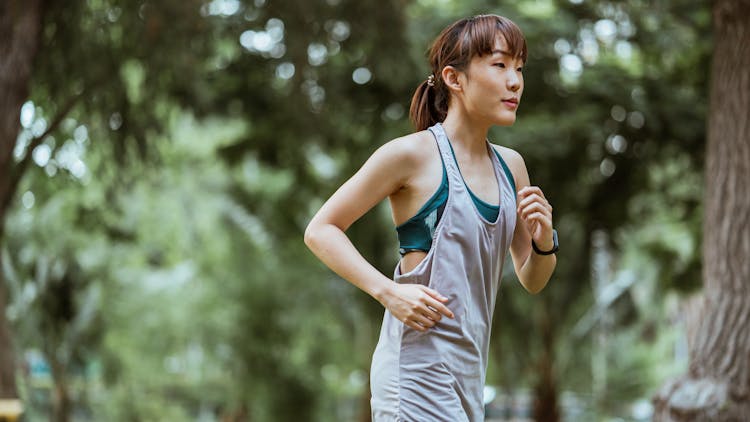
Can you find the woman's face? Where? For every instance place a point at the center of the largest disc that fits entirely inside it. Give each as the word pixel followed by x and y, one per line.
pixel 492 86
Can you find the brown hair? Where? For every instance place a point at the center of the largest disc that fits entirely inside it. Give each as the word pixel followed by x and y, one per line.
pixel 456 46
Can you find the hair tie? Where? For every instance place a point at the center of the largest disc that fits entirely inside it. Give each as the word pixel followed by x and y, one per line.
pixel 431 80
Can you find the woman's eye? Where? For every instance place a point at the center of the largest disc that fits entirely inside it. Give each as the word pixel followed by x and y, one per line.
pixel 502 65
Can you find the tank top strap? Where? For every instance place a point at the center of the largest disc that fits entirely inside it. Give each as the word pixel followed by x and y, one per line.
pixel 504 176
pixel 445 152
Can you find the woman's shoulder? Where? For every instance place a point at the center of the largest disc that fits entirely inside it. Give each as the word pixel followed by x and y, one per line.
pixel 514 160
pixel 409 149
pixel 511 156
pixel 399 160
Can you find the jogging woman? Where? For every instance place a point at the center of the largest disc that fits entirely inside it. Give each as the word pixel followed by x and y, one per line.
pixel 459 203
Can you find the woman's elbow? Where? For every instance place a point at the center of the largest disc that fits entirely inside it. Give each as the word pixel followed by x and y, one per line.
pixel 535 290
pixel 315 233
pixel 311 235
pixel 533 286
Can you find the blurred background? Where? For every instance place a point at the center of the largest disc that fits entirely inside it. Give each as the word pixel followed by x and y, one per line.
pixel 170 154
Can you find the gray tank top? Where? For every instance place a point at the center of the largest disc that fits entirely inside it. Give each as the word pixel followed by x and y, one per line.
pixel 439 374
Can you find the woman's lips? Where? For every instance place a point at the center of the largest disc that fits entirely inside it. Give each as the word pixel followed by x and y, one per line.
pixel 510 104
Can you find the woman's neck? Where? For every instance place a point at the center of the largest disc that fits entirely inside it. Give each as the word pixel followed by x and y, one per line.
pixel 465 135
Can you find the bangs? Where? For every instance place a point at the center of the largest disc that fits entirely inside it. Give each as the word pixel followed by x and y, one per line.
pixel 478 37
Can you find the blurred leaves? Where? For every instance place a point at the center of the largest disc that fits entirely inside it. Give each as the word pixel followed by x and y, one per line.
pixel 171 265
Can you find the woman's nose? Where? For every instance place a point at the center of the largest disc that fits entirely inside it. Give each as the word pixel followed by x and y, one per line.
pixel 513 81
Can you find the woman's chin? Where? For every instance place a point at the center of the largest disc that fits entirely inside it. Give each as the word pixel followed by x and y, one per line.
pixel 505 121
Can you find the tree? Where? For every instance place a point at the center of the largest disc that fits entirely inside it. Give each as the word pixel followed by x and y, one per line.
pixel 717 385
pixel 40 41
pixel 19 31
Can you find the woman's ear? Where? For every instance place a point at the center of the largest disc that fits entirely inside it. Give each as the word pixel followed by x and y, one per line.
pixel 452 78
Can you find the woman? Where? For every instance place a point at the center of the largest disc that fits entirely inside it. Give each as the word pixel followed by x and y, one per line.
pixel 454 200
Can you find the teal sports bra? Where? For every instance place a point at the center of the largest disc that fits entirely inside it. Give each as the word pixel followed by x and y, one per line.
pixel 416 233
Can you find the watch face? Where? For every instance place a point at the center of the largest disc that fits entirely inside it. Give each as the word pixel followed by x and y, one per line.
pixel 554 238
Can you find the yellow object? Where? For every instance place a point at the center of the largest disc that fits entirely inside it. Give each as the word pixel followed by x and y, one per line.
pixel 10 410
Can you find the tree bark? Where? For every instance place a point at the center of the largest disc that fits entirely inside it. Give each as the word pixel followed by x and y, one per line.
pixel 8 388
pixel 545 390
pixel 717 385
pixel 61 404
pixel 20 26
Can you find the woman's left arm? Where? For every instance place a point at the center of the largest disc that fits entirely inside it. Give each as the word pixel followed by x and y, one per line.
pixel 533 222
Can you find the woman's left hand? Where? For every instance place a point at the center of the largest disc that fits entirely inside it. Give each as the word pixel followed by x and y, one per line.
pixel 536 213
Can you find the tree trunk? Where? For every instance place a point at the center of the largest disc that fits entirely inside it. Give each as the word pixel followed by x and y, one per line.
pixel 20 26
pixel 545 391
pixel 717 385
pixel 61 405
pixel 365 413
pixel 7 362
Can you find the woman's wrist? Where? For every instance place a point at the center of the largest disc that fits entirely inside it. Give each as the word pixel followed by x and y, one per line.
pixel 383 291
pixel 548 248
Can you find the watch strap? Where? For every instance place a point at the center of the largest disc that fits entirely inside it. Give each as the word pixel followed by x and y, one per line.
pixel 549 252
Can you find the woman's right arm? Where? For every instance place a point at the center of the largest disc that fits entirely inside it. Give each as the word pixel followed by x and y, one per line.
pixel 388 170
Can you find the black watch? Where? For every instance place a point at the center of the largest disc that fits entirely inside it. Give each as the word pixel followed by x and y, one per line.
pixel 549 252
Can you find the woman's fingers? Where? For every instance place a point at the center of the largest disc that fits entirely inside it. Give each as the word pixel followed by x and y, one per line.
pixel 534 199
pixel 431 313
pixel 529 190
pixel 433 293
pixel 417 320
pixel 539 220
pixel 424 321
pixel 532 194
pixel 524 199
pixel 418 306
pixel 438 306
pixel 535 208
pixel 415 325
pixel 441 309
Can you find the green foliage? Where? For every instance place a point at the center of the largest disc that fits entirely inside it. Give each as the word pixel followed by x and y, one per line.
pixel 172 272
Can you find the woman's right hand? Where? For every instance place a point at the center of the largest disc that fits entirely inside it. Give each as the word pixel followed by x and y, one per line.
pixel 416 305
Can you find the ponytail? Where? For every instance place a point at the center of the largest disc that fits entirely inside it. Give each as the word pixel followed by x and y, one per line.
pixel 427 105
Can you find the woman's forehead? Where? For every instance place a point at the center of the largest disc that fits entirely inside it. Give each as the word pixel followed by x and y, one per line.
pixel 500 49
